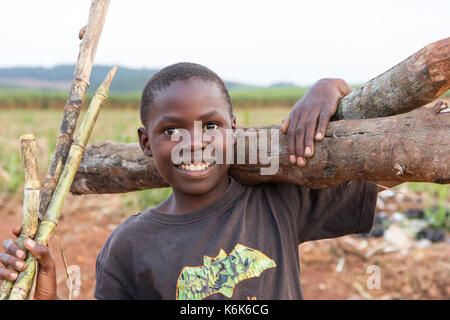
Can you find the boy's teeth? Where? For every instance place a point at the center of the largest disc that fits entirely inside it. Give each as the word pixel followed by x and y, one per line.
pixel 195 166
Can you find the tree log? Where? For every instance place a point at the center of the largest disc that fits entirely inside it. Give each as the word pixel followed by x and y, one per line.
pixel 414 82
pixel 401 148
pixel 409 147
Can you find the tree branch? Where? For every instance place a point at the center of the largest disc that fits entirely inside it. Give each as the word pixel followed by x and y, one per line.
pixel 408 147
pixel 414 82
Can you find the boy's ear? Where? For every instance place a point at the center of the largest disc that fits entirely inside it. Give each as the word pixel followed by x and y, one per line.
pixel 233 126
pixel 144 143
pixel 233 121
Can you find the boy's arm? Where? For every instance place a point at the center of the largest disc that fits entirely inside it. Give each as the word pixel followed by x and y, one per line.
pixel 309 120
pixel 346 208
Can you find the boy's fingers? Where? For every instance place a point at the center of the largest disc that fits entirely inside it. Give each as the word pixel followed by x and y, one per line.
pixel 41 253
pixel 13 249
pixel 291 139
pixel 300 142
pixel 309 135
pixel 285 124
pixel 324 119
pixel 11 261
pixel 7 274
pixel 16 230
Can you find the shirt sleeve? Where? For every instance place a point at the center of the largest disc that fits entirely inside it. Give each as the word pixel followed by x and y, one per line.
pixel 346 208
pixel 108 286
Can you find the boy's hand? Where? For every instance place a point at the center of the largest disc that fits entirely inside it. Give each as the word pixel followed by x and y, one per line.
pixel 14 257
pixel 310 116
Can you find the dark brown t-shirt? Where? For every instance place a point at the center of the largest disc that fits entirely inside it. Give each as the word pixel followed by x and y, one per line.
pixel 244 245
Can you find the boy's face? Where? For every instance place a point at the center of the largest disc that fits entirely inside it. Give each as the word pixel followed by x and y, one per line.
pixel 175 109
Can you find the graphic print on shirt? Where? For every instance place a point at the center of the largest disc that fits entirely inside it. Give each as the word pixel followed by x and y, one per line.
pixel 222 273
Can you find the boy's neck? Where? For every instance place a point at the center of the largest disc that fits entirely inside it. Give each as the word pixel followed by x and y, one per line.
pixel 179 202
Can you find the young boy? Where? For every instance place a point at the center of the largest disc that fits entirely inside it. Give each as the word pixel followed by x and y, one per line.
pixel 215 238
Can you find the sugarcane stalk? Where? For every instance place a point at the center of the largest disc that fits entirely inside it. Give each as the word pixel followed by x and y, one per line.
pixel 30 201
pixel 47 226
pixel 77 93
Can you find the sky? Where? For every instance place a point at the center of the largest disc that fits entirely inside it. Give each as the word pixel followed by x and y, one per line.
pixel 257 42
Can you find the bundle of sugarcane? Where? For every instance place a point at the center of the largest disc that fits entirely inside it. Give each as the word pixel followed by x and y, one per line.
pixel 56 178
pixel 30 201
pixel 22 285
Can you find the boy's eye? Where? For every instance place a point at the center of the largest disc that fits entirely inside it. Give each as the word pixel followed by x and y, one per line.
pixel 211 126
pixel 170 131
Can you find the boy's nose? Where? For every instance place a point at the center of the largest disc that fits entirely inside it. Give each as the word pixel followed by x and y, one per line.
pixel 197 146
pixel 197 142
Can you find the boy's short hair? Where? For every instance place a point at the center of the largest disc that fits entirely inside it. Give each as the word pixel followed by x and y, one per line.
pixel 178 71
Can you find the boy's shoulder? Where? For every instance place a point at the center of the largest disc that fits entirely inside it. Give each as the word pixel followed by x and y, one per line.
pixel 125 234
pixel 278 189
pixel 128 224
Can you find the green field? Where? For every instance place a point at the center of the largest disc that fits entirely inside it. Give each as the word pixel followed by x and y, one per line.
pixel 41 100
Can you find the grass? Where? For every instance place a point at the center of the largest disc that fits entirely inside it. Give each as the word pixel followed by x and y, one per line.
pixel 282 96
pixel 437 212
pixel 14 99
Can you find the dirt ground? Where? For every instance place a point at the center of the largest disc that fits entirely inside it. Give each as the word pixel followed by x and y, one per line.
pixel 350 267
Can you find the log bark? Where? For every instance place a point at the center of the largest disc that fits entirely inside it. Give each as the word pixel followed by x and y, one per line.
pixel 414 82
pixel 409 147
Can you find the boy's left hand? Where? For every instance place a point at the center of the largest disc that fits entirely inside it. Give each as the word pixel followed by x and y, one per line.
pixel 309 118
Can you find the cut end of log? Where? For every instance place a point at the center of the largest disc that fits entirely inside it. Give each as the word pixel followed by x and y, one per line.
pixel 27 137
pixel 417 80
pixel 29 161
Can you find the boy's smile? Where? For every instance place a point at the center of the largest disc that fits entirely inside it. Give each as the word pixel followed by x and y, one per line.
pixel 190 108
pixel 195 171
